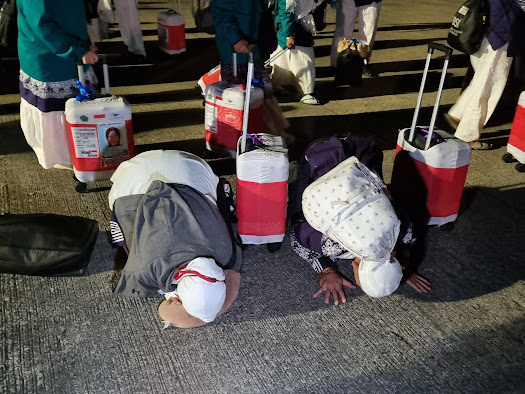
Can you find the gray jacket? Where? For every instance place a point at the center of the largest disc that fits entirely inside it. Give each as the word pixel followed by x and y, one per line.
pixel 168 226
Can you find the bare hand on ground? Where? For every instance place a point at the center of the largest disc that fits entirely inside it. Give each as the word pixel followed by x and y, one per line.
pixel 333 284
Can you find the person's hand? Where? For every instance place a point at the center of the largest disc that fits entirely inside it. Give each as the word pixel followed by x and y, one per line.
pixel 241 46
pixel 418 283
pixel 90 57
pixel 290 42
pixel 175 300
pixel 332 284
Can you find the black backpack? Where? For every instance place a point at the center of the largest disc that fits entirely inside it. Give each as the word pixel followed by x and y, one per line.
pixel 469 26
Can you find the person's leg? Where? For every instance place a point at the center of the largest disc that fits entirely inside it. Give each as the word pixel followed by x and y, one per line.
pixel 367 20
pixel 477 103
pixel 129 23
pixel 302 65
pixel 46 133
pixel 344 26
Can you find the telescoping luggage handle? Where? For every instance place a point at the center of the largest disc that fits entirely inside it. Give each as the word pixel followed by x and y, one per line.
pixel 81 83
pixel 246 112
pixel 448 52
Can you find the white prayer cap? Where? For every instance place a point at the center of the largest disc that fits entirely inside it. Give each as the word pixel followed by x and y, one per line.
pixel 201 288
pixel 379 277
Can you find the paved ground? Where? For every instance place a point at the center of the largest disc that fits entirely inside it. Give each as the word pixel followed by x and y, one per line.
pixel 71 335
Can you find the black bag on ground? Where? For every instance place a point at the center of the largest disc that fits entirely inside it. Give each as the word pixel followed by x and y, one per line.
pixel 349 68
pixel 469 26
pixel 46 244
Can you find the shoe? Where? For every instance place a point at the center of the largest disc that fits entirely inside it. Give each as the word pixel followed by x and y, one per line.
pixel 134 57
pixel 309 99
pixel 368 71
pixel 452 122
pixel 478 145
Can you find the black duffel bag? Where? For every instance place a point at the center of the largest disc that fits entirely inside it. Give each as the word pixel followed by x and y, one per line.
pixel 46 244
pixel 469 26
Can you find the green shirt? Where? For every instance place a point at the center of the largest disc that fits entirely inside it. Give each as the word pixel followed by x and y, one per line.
pixel 52 38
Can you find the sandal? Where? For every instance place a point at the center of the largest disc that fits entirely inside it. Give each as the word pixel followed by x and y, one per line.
pixel 478 145
pixel 309 99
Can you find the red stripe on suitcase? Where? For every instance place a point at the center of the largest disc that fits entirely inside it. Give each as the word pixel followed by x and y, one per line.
pixel 262 207
pixel 517 133
pixel 444 187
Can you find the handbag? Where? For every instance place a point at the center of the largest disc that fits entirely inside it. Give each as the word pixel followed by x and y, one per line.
pixel 46 244
pixel 8 25
pixel 349 66
pixel 469 26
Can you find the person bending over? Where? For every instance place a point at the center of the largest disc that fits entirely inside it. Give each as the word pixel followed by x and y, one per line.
pixel 349 215
pixel 170 213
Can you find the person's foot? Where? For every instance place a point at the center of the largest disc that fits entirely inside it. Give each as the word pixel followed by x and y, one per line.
pixel 369 71
pixel 134 57
pixel 309 99
pixel 452 121
pixel 478 145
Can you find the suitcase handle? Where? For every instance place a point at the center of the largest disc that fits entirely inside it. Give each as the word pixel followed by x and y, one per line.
pixel 246 112
pixel 440 47
pixel 105 72
pixel 448 51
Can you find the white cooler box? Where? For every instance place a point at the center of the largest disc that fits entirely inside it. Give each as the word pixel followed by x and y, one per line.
pixel 171 31
pixel 88 122
pixel 262 190
pixel 223 115
pixel 441 170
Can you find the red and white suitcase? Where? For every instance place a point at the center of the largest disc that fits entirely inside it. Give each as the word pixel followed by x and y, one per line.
pixel 431 166
pixel 262 186
pixel 516 143
pixel 212 76
pixel 171 31
pixel 100 133
pixel 223 115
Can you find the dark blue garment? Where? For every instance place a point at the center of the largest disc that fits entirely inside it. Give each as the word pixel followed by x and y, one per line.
pixel 506 25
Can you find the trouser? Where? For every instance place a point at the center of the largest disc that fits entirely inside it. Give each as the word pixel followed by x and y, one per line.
pixel 367 17
pixel 300 62
pixel 46 133
pixel 129 23
pixel 476 104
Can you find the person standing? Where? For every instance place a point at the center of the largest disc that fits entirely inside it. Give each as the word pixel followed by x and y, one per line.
pixel 130 29
pixel 295 30
pixel 366 12
pixel 52 39
pixel 491 64
pixel 237 26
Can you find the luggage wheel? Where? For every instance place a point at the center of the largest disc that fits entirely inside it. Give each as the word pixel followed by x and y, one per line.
pixel 520 167
pixel 274 247
pixel 81 187
pixel 210 155
pixel 508 158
